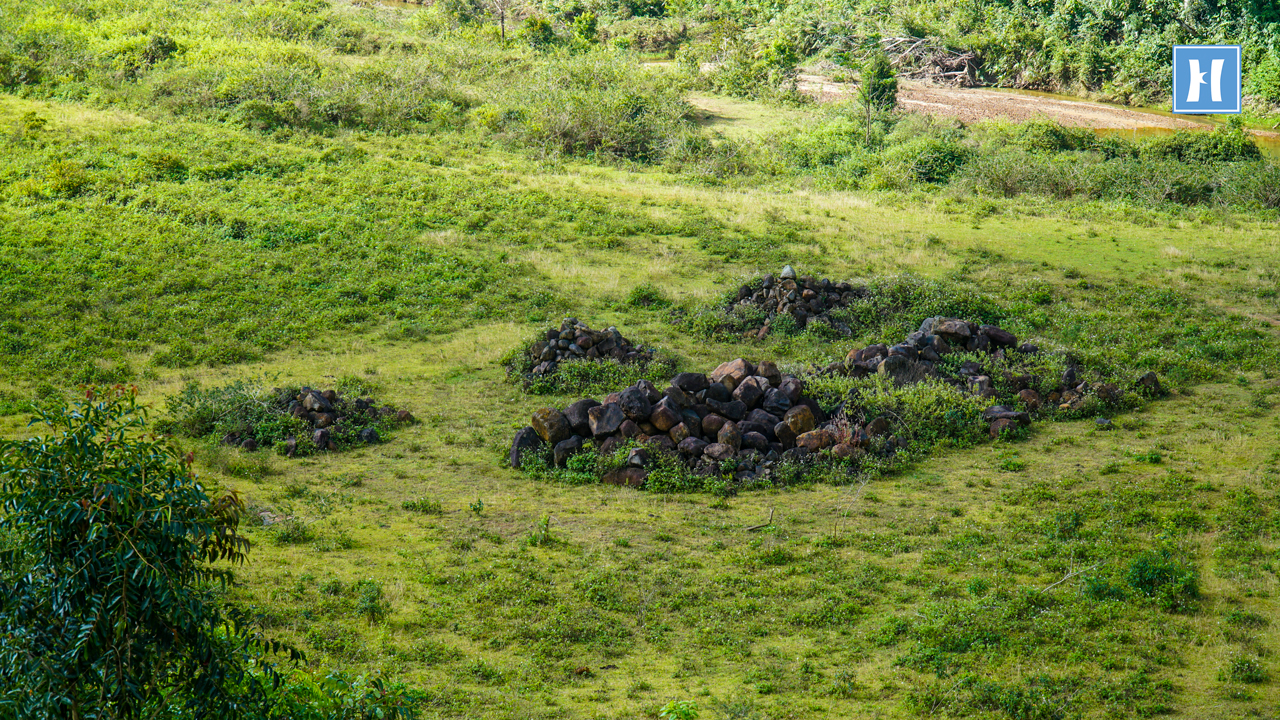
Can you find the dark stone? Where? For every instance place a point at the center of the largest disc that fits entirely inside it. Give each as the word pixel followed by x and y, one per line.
pixel 734 410
pixel 691 447
pixel 878 427
pixel 786 436
pixel 679 397
pixel 650 391
pixel 635 404
pixel 764 418
pixel 1149 384
pixel 551 425
pixel 768 370
pixel 690 382
pixel 792 388
pixel 718 392
pixel 718 451
pixel 904 350
pixel 998 336
pixel 526 439
pixel 749 392
pixel 629 429
pixel 626 477
pixel 661 442
pixel 711 424
pixel 776 402
pixel 605 419
pixel 679 433
pixel 1001 426
pixel 369 435
pixel 576 414
pixel 249 444
pixel 730 435
pixel 322 440
pixel 404 417
pixel 566 449
pixel 324 419
pixel 795 454
pixel 664 417
pixel 1028 348
pixel 639 457
pixel 1030 398
pixel 755 441
pixel 609 445
pixel 316 403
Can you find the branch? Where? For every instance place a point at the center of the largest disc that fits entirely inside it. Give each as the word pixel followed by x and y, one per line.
pixel 1071 575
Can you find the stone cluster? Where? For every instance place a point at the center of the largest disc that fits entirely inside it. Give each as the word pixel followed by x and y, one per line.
pixel 754 415
pixel 329 417
pixel 575 340
pixel 749 413
pixel 803 298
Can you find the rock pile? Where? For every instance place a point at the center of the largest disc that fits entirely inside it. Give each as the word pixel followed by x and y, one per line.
pixel 803 298
pixel 752 415
pixel 747 413
pixel 330 418
pixel 575 340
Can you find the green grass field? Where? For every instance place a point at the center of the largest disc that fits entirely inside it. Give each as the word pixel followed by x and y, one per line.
pixel 1002 580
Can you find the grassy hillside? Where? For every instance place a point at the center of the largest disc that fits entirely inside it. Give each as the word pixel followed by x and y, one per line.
pixel 393 203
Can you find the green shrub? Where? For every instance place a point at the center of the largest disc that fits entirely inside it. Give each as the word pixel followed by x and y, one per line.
pixel 1243 669
pixel 423 506
pixel 1173 583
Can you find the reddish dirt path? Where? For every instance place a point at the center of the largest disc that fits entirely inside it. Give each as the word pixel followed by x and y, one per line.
pixel 971 105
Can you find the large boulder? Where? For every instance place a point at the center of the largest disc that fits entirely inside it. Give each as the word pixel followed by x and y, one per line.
pixel 577 416
pixel 690 382
pixel 712 423
pixel 718 451
pixel 664 417
pixel 998 336
pixel 605 419
pixel 776 402
pixel 565 449
pixel 953 331
pixel 692 447
pixel 635 404
pixel 750 391
pixel 730 435
pixel 551 425
pixel 736 370
pixel 768 370
pixel 816 440
pixel 800 419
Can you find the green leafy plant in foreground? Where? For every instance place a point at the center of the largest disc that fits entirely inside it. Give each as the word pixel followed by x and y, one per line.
pixel 109 543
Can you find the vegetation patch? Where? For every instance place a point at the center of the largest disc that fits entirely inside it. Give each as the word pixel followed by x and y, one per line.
pixel 577 359
pixel 295 420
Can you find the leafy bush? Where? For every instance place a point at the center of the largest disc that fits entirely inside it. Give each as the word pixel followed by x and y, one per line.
pixel 97 511
pixel 1173 583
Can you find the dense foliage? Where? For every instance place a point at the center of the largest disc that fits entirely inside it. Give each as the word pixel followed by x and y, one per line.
pixel 110 604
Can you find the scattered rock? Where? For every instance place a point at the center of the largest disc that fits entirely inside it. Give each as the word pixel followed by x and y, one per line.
pixel 526 439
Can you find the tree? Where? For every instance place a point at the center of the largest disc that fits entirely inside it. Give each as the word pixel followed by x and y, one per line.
pixel 107 542
pixel 502 8
pixel 878 91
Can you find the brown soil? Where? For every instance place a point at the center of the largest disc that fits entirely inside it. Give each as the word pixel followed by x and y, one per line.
pixel 971 105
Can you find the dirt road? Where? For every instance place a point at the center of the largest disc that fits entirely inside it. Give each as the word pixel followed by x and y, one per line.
pixel 973 104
